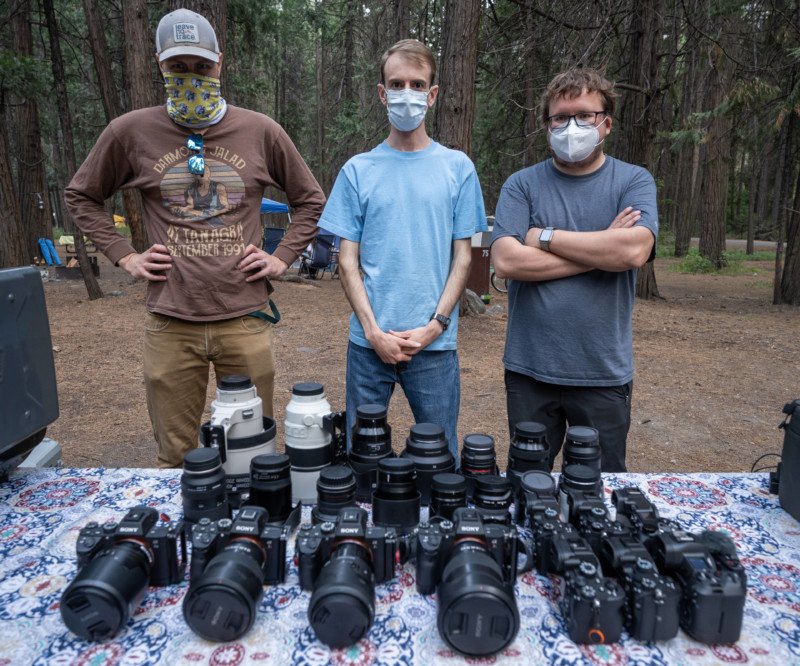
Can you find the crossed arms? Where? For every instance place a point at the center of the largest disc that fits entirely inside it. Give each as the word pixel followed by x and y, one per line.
pixel 620 247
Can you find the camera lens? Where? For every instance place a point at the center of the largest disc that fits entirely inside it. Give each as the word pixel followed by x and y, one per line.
pixel 477 614
pixel 427 447
pixel 371 440
pixel 529 450
pixel 577 478
pixel 395 502
pixel 535 482
pixel 336 489
pixel 308 443
pixel 492 498
pixel 203 487
pixel 271 485
pixel 342 605
pixel 448 493
pixel 107 591
pixel 221 605
pixel 477 458
pixel 582 447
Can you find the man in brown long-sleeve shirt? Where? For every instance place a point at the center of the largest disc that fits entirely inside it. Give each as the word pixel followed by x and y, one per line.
pixel 202 166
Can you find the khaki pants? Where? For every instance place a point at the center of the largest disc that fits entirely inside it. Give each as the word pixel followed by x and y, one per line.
pixel 177 354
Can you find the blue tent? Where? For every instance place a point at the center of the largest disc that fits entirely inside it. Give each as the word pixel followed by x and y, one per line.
pixel 270 206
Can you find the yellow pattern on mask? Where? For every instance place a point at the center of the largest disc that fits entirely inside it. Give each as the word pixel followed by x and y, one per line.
pixel 194 100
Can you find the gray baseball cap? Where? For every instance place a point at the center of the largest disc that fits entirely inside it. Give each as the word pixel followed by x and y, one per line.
pixel 184 32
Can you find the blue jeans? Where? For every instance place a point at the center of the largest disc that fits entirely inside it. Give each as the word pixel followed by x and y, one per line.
pixel 431 381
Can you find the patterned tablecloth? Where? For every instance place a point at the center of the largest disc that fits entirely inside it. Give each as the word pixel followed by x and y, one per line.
pixel 42 511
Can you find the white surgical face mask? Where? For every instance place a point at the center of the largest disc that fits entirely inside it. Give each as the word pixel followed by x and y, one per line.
pixel 406 108
pixel 574 143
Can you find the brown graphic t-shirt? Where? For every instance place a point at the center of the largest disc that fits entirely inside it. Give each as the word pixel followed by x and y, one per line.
pixel 205 221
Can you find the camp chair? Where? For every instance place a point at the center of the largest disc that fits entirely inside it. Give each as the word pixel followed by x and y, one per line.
pixel 272 238
pixel 318 259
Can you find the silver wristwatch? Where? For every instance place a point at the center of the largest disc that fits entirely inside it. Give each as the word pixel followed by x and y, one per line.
pixel 545 237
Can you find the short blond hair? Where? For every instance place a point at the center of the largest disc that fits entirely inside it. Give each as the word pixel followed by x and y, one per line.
pixel 413 50
pixel 573 83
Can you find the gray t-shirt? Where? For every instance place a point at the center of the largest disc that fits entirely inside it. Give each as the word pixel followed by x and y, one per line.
pixel 573 331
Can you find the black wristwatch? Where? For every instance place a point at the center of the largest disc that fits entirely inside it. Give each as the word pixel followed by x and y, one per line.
pixel 444 321
pixel 545 237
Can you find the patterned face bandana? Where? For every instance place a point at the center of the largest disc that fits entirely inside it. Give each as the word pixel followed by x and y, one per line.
pixel 193 100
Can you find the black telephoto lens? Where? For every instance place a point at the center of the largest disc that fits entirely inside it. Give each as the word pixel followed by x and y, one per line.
pixel 107 591
pixel 336 489
pixel 448 493
pixel 477 458
pixel 577 478
pixel 478 613
pixel 371 441
pixel 221 605
pixel 529 450
pixel 342 605
pixel 493 497
pixel 395 502
pixel 427 447
pixel 271 485
pixel 582 447
pixel 203 487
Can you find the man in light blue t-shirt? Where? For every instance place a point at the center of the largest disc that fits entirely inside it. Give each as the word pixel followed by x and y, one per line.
pixel 407 211
pixel 570 232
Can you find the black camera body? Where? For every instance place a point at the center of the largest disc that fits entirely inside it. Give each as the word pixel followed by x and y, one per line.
pixel 588 513
pixel 640 512
pixel 712 579
pixel 652 599
pixel 341 562
pixel 591 604
pixel 315 543
pixel 473 566
pixel 116 563
pixel 435 542
pixel 545 526
pixel 252 523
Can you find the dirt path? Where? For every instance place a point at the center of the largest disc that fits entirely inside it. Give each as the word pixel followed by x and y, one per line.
pixel 715 363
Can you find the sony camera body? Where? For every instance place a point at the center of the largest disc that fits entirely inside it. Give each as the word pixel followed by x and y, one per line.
pixel 712 579
pixel 116 563
pixel 591 604
pixel 341 562
pixel 252 524
pixel 652 599
pixel 315 543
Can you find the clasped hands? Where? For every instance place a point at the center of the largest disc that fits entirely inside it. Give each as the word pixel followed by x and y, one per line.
pixel 395 347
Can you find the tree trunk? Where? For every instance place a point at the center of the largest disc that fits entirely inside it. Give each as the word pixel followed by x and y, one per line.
pixel 402 18
pixel 455 107
pixel 13 249
pixel 531 115
pixel 36 220
pixel 790 282
pixel 786 167
pixel 637 112
pixel 65 118
pixel 138 74
pixel 716 159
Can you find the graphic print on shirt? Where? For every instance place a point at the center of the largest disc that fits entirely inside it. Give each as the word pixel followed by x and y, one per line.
pixel 200 205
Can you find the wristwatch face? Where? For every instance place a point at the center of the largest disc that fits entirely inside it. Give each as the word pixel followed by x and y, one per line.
pixel 545 237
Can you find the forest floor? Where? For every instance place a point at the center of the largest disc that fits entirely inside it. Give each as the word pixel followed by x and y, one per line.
pixel 715 363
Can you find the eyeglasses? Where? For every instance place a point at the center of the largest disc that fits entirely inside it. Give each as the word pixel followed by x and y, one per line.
pixel 582 119
pixel 197 165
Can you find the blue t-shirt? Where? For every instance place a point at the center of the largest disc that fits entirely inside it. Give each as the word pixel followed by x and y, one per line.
pixel 573 331
pixel 406 209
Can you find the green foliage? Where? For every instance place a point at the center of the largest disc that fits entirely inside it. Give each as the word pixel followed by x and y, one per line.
pixel 734 263
pixel 26 74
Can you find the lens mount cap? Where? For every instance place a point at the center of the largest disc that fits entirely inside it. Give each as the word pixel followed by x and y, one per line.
pixel 336 476
pixel 449 482
pixel 426 432
pixel 201 459
pixel 479 441
pixel 308 389
pixel 537 481
pixel 582 434
pixel 235 383
pixel 339 619
pixel 371 412
pixel 529 430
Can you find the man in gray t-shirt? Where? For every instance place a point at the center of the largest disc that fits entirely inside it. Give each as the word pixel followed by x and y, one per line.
pixel 570 233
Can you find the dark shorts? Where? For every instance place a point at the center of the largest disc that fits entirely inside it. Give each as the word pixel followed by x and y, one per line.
pixel 606 408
